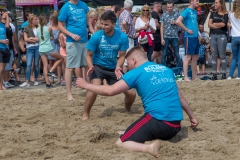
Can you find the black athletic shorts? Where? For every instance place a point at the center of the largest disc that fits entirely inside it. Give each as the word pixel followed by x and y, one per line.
pixel 4 55
pixel 104 73
pixel 147 128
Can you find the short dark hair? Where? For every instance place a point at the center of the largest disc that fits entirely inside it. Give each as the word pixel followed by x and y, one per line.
pixel 118 8
pixel 109 16
pixel 170 2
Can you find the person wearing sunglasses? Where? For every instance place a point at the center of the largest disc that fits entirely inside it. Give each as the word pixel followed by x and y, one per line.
pixel 146 26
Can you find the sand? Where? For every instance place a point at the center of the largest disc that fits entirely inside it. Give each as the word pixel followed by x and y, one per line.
pixel 42 124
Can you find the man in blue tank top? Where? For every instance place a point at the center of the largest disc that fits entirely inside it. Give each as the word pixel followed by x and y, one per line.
pixel 162 102
pixel 103 48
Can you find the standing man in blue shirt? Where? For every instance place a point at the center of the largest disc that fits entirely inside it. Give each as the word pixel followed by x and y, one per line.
pixel 103 48
pixel 74 16
pixel 188 22
pixel 162 102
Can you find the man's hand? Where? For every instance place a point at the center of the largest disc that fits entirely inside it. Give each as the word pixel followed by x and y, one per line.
pixel 189 31
pixel 163 42
pixel 81 83
pixel 6 41
pixel 15 51
pixel 76 37
pixel 90 70
pixel 194 122
pixel 118 72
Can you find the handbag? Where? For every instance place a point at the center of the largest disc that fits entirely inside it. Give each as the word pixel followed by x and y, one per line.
pixel 143 40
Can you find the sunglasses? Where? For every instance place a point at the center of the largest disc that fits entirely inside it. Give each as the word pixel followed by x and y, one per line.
pixel 145 10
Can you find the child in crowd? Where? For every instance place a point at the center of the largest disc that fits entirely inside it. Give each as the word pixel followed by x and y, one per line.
pixel 201 56
pixel 62 42
pixel 46 49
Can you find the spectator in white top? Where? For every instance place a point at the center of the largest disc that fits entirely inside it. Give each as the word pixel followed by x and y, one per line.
pixel 234 18
pixel 146 26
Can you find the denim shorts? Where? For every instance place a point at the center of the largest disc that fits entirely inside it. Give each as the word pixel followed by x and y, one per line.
pixel 9 64
pixel 47 53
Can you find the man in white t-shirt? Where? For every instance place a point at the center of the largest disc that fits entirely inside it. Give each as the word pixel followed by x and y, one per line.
pixel 202 33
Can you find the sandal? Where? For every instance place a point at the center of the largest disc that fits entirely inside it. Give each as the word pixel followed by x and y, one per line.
pixel 204 73
pixel 198 74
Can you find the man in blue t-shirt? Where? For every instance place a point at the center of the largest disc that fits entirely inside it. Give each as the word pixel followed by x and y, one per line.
pixel 103 48
pixel 73 15
pixel 188 22
pixel 161 99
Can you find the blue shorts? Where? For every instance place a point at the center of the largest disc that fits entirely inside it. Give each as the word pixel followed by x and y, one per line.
pixel 191 45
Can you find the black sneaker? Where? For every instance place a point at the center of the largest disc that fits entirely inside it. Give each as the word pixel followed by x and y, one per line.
pixel 214 77
pixel 224 76
pixel 49 85
pixel 51 74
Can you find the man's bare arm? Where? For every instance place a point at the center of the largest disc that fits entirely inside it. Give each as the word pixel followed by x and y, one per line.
pixel 121 59
pixel 187 109
pixel 104 90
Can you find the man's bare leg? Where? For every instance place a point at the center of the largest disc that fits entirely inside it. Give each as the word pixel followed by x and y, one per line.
pixel 130 96
pixel 2 67
pixel 194 66
pixel 185 67
pixel 84 73
pixel 152 148
pixel 68 82
pixel 78 72
pixel 89 100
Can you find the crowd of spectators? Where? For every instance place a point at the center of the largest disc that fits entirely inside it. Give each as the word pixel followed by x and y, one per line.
pixel 55 46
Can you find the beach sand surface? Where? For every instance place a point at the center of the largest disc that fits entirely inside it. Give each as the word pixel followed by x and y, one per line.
pixel 42 124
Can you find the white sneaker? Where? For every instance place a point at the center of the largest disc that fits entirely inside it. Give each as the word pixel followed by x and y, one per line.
pixel 6 85
pixel 229 78
pixel 36 83
pixel 238 78
pixel 24 85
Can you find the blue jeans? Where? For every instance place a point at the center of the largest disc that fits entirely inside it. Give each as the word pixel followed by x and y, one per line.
pixel 32 53
pixel 236 56
pixel 175 46
pixel 149 50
